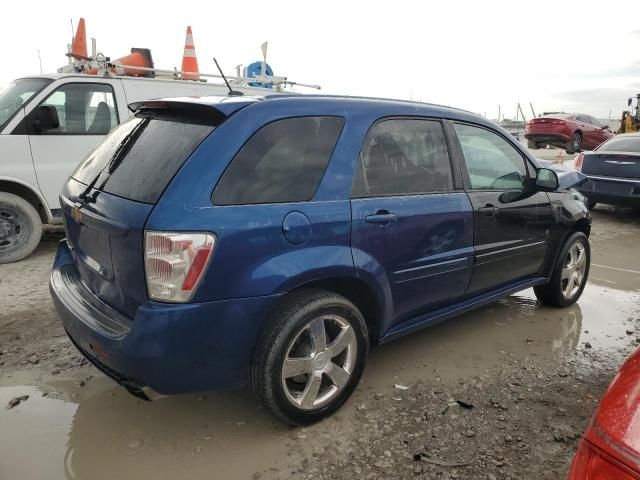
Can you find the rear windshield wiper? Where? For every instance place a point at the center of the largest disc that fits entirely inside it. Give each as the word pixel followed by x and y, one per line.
pixel 124 147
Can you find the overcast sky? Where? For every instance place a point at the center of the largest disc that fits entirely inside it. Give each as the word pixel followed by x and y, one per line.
pixel 559 55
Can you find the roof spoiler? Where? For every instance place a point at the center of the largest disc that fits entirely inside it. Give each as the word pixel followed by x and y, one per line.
pixel 205 106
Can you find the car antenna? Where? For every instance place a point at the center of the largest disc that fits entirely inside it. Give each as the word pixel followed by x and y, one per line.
pixel 232 93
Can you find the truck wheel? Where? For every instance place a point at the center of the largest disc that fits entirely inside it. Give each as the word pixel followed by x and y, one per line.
pixel 310 357
pixel 570 274
pixel 20 228
pixel 532 144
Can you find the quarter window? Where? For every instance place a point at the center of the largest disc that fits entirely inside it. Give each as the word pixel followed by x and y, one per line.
pixel 492 162
pixel 403 157
pixel 83 109
pixel 284 161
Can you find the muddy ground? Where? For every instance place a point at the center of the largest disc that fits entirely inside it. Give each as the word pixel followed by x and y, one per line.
pixel 531 374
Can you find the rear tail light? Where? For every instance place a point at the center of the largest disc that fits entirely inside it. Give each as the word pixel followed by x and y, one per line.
pixel 577 163
pixel 558 122
pixel 174 263
pixel 590 463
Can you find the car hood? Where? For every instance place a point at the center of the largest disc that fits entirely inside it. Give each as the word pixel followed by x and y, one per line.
pixel 616 424
pixel 567 177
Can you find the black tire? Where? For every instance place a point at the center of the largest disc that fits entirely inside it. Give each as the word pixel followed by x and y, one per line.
pixel 533 145
pixel 591 204
pixel 287 325
pixel 20 228
pixel 553 293
pixel 574 144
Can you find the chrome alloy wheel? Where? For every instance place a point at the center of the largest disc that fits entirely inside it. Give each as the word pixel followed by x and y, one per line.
pixel 319 362
pixel 575 265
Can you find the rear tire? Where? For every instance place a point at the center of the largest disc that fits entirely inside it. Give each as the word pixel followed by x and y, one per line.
pixel 569 275
pixel 310 357
pixel 591 204
pixel 574 144
pixel 20 228
pixel 532 145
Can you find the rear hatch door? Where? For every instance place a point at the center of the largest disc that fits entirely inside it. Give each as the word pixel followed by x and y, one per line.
pixel 108 199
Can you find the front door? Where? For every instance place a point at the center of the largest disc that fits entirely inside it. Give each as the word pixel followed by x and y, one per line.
pixel 411 229
pixel 86 113
pixel 512 221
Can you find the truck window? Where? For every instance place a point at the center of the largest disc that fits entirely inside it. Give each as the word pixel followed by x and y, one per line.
pixel 17 94
pixel 83 109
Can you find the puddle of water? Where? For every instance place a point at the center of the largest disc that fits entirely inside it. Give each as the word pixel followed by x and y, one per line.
pixel 106 433
pixel 101 432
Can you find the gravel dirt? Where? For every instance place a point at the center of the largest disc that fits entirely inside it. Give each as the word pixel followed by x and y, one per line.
pixel 502 392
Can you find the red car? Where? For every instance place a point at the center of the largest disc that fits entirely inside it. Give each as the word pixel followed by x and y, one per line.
pixel 571 131
pixel 610 448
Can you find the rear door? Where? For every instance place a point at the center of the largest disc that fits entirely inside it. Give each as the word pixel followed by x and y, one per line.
pixel 410 226
pixel 86 112
pixel 512 221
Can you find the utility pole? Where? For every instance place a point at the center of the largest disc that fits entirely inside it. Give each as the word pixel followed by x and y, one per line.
pixel 40 61
pixel 532 110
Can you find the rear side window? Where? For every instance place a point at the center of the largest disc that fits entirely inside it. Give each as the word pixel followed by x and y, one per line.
pixel 139 159
pixel 403 157
pixel 621 144
pixel 284 161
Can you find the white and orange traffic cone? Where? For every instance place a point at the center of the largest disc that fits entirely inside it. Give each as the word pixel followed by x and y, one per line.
pixel 79 46
pixel 189 59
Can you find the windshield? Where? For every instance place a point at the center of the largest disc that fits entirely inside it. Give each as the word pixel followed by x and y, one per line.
pixel 17 94
pixel 621 144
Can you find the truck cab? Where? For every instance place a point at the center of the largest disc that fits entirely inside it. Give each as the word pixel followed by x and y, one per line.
pixel 49 124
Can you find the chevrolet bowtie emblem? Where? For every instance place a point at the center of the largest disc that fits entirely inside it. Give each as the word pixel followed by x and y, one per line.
pixel 76 214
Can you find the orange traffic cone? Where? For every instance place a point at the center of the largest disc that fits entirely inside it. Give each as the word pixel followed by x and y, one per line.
pixel 189 60
pixel 140 57
pixel 79 47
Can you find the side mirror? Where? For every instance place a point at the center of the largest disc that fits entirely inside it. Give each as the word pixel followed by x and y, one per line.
pixel 547 179
pixel 45 117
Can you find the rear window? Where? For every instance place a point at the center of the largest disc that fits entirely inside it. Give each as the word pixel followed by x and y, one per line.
pixel 284 161
pixel 139 159
pixel 621 144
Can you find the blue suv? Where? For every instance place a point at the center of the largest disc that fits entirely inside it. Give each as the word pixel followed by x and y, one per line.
pixel 214 242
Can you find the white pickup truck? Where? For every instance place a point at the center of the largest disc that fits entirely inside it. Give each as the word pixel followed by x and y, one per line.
pixel 49 124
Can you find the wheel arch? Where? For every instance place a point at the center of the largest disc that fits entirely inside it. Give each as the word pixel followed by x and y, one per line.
pixel 357 291
pixel 582 225
pixel 29 193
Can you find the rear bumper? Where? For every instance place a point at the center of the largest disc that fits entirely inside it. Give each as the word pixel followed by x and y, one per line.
pixel 551 138
pixel 169 348
pixel 615 191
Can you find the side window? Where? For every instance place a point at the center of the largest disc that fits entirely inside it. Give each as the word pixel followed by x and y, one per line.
pixel 402 157
pixel 594 121
pixel 492 162
pixel 83 109
pixel 284 161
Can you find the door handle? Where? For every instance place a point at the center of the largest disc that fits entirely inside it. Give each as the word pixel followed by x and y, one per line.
pixel 489 210
pixel 381 217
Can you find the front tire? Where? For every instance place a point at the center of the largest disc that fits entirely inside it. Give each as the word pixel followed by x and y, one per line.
pixel 20 228
pixel 569 275
pixel 310 357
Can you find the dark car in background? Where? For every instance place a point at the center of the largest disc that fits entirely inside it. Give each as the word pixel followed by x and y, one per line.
pixel 612 171
pixel 221 241
pixel 571 131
